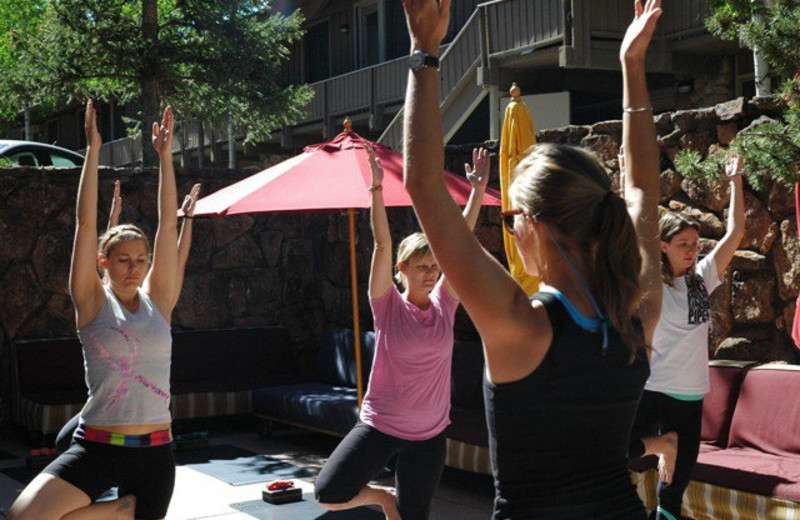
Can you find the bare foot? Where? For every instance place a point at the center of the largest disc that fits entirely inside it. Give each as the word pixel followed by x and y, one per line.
pixel 389 505
pixel 666 460
pixel 126 509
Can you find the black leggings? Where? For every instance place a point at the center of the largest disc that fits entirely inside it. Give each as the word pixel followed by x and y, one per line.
pixel 147 473
pixel 64 438
pixel 659 413
pixel 362 455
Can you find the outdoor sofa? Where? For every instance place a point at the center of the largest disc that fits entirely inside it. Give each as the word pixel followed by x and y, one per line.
pixel 749 462
pixel 328 401
pixel 213 373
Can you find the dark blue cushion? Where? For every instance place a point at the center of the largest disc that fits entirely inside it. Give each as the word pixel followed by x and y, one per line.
pixel 231 359
pixel 466 376
pixel 48 367
pixel 336 361
pixel 314 405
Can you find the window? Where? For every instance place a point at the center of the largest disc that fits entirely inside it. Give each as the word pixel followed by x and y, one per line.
pixel 25 159
pixel 61 160
pixel 317 52
pixel 368 35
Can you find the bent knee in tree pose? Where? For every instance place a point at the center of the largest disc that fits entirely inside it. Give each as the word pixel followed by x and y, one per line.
pixel 123 436
pixel 565 371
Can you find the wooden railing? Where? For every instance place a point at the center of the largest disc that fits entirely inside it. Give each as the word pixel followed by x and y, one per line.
pixel 128 150
pixel 588 29
pixel 358 91
pixel 495 28
pixel 611 17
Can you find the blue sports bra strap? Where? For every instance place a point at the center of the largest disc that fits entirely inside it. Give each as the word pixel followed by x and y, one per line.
pixel 600 315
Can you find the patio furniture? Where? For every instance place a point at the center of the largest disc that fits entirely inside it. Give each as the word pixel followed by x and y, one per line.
pixel 328 402
pixel 213 373
pixel 749 462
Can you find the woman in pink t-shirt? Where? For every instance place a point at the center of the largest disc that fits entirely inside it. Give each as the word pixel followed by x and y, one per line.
pixel 407 405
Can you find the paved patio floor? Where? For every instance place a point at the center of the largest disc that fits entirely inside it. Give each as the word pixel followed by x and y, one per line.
pixel 460 495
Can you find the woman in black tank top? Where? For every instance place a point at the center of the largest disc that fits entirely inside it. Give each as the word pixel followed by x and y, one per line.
pixel 564 372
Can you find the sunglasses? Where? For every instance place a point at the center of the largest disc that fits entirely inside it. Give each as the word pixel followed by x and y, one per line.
pixel 508 218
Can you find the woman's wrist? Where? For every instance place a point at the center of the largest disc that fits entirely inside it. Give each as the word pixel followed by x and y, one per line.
pixel 375 188
pixel 431 48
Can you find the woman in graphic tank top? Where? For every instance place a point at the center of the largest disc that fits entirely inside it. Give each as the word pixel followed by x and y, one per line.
pixel 123 438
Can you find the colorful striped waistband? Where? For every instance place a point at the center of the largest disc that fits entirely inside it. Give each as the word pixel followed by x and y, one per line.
pixel 90 434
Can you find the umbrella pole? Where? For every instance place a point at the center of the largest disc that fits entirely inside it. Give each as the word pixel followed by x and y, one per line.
pixel 351 215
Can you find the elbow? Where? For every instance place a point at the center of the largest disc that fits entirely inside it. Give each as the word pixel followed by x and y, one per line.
pixel 414 185
pixel 419 187
pixel 85 222
pixel 381 245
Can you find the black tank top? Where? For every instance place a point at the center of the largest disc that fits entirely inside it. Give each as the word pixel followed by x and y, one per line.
pixel 559 437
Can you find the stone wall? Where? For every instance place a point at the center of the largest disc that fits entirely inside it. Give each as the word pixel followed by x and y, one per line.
pixel 290 269
pixel 754 309
pixel 293 269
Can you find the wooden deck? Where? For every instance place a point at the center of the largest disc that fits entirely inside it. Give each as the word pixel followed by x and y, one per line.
pixel 487 36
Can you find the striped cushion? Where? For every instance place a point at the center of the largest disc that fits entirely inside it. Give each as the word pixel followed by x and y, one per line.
pixel 44 419
pixel 468 457
pixel 210 404
pixel 709 502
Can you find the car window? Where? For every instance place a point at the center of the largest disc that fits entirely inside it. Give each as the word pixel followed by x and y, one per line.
pixel 61 160
pixel 25 159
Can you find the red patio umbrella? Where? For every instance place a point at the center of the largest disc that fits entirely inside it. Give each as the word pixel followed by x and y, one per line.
pixel 328 176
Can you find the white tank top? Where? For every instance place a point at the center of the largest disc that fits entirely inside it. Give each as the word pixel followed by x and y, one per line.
pixel 127 357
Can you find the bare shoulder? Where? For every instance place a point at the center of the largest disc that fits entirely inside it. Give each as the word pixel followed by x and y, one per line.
pixel 520 350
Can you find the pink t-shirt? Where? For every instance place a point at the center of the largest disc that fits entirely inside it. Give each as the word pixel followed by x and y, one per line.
pixel 408 396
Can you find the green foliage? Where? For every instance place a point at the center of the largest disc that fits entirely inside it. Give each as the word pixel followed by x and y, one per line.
pixel 771 148
pixel 209 59
pixel 690 163
pixel 773 30
pixel 19 19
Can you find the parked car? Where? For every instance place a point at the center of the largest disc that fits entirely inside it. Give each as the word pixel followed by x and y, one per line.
pixel 29 153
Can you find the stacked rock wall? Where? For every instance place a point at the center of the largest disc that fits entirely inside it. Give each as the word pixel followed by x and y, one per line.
pixel 290 269
pixel 753 310
pixel 294 269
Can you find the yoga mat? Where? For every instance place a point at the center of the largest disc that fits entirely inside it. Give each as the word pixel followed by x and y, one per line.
pixel 4 455
pixel 306 509
pixel 21 474
pixel 237 466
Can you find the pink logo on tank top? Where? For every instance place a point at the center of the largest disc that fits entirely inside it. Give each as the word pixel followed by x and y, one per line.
pixel 126 367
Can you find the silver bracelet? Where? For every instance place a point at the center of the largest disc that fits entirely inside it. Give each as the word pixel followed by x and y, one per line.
pixel 634 110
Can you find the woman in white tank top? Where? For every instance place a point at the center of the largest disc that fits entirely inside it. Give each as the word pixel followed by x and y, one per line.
pixel 123 322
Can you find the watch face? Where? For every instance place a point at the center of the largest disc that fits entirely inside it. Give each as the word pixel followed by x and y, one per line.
pixel 416 61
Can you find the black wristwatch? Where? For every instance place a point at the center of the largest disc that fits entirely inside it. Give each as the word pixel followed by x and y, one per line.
pixel 418 60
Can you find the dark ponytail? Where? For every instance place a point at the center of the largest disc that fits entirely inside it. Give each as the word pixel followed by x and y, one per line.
pixel 617 266
pixel 569 188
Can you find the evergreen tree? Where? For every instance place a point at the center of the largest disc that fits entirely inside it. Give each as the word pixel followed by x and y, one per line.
pixel 213 59
pixel 770 147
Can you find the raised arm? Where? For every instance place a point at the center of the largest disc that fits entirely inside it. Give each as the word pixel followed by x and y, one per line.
pixel 641 158
pixel 380 273
pixel 85 286
pixel 495 302
pixel 478 176
pixel 723 253
pixel 116 207
pixel 160 282
pixel 185 239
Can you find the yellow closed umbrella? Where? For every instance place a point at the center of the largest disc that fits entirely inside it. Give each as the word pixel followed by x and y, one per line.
pixel 518 135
